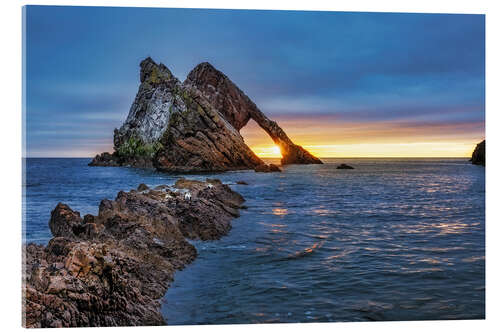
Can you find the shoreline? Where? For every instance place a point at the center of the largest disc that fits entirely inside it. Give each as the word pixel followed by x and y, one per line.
pixel 113 269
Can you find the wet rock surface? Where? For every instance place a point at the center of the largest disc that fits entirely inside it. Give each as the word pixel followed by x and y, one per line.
pixel 192 126
pixel 479 154
pixel 112 269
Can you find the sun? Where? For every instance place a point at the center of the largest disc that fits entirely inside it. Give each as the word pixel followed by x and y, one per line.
pixel 267 151
pixel 276 150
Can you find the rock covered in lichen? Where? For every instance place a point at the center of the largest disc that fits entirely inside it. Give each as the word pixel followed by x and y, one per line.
pixel 150 112
pixel 116 159
pixel 200 139
pixel 112 269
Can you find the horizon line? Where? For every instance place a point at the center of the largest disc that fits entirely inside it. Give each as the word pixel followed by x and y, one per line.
pixel 68 157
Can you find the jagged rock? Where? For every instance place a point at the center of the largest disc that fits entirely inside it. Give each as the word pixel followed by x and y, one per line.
pixel 344 166
pixel 113 160
pixel 150 112
pixel 267 168
pixel 192 136
pixel 238 109
pixel 274 168
pixel 192 126
pixel 117 275
pixel 64 221
pixel 105 159
pixel 142 187
pixel 479 154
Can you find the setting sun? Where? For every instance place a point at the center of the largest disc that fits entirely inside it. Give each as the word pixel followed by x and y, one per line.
pixel 267 151
pixel 276 150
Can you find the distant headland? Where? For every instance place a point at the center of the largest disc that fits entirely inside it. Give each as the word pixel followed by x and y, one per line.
pixel 479 154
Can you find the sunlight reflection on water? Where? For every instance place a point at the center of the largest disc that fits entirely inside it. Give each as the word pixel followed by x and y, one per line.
pixel 383 242
pixel 280 211
pixel 392 239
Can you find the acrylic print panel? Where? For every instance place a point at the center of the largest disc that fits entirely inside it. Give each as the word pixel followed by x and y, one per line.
pixel 195 166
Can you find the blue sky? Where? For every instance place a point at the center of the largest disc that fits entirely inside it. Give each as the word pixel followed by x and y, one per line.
pixel 422 72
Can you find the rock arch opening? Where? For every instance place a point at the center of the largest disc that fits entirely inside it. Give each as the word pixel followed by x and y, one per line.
pixel 238 109
pixel 259 141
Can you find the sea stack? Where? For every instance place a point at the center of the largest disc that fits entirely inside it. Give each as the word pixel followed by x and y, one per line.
pixel 238 109
pixel 479 154
pixel 192 126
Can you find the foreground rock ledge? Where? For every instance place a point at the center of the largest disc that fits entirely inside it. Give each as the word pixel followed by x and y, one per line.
pixel 113 269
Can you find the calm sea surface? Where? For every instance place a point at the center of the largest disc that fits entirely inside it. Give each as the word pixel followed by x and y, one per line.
pixel 394 239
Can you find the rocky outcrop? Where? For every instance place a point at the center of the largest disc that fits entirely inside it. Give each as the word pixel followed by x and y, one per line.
pixel 344 166
pixel 115 159
pixel 479 154
pixel 238 109
pixel 106 159
pixel 192 126
pixel 112 269
pixel 267 168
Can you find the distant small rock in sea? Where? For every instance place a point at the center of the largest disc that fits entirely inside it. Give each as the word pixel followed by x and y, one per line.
pixel 241 182
pixel 344 166
pixel 479 154
pixel 267 168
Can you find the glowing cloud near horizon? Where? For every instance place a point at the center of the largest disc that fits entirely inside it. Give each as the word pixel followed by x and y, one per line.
pixel 417 149
pixel 369 140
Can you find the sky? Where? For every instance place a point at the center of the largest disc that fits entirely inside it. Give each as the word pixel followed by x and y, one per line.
pixel 340 84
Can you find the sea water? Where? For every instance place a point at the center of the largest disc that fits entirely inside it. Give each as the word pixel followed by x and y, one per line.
pixel 393 239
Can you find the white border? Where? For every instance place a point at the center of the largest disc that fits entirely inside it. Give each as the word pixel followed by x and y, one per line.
pixel 10 304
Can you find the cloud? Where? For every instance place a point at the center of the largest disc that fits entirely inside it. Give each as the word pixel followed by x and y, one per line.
pixel 353 68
